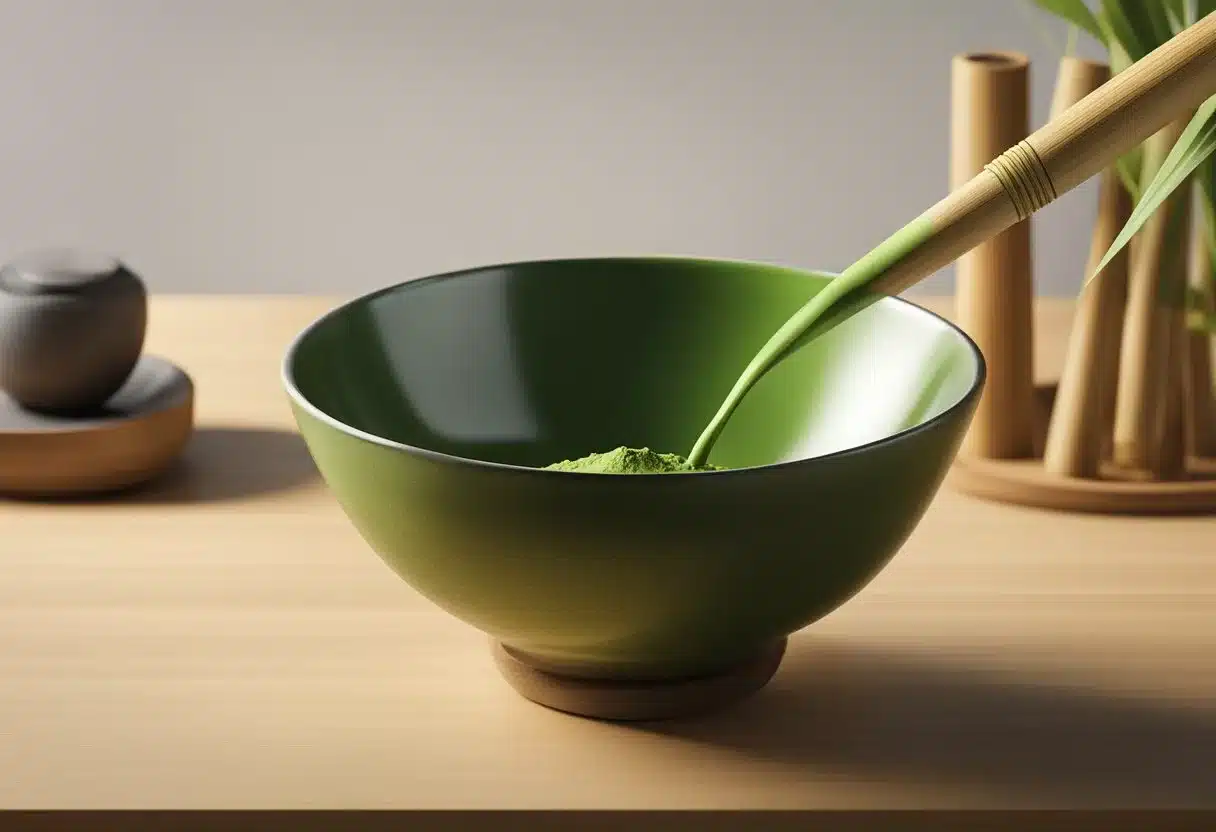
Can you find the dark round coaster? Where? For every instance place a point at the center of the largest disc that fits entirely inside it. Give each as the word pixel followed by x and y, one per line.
pixel 137 434
pixel 636 701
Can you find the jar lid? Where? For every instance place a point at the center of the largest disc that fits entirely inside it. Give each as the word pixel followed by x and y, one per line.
pixel 53 271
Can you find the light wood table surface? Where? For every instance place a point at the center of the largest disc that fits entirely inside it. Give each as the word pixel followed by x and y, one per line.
pixel 226 640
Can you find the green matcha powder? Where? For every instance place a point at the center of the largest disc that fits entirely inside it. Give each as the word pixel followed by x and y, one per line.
pixel 630 461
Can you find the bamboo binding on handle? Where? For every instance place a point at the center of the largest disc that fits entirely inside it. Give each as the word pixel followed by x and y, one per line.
pixel 1089 136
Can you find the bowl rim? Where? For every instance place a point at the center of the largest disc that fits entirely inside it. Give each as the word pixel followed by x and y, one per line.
pixel 302 401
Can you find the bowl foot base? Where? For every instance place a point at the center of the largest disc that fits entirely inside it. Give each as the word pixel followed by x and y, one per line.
pixel 635 701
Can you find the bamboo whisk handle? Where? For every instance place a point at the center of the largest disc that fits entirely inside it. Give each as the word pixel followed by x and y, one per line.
pixel 1085 139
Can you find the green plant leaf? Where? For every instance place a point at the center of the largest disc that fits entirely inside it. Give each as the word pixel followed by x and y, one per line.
pixel 1177 13
pixel 1157 17
pixel 1196 144
pixel 1120 30
pixel 1129 167
pixel 1119 59
pixel 1140 26
pixel 1174 249
pixel 1077 13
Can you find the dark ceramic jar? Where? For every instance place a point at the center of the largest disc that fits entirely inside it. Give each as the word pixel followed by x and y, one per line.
pixel 72 328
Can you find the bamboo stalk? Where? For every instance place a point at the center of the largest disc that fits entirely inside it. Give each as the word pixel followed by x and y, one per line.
pixel 1146 347
pixel 1171 447
pixel 1112 334
pixel 1200 395
pixel 1075 79
pixel 994 282
pixel 1081 415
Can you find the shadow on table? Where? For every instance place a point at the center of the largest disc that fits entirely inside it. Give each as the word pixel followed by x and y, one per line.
pixel 889 715
pixel 221 464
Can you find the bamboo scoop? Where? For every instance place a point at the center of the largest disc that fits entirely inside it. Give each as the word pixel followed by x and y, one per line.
pixel 1088 137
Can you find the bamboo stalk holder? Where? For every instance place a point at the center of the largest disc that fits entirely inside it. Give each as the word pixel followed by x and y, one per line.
pixel 1057 446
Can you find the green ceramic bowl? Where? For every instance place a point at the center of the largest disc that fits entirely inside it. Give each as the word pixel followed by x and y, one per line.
pixel 430 407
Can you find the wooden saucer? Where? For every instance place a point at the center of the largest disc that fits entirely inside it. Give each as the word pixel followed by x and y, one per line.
pixel 626 701
pixel 139 432
pixel 1025 482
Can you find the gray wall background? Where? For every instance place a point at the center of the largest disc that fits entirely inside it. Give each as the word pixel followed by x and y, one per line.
pixel 300 146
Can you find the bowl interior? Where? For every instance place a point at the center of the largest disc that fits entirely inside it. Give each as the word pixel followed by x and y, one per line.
pixel 528 364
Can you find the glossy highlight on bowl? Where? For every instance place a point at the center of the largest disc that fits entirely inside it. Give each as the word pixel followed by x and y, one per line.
pixel 431 407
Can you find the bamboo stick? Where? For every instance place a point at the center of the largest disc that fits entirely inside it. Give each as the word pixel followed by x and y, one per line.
pixel 994 282
pixel 1146 346
pixel 1200 395
pixel 1081 417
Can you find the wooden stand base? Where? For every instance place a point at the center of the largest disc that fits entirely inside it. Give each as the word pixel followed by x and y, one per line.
pixel 619 700
pixel 1025 482
pixel 138 434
